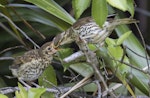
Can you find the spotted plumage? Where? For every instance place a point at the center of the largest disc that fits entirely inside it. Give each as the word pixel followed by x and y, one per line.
pixel 31 64
pixel 88 30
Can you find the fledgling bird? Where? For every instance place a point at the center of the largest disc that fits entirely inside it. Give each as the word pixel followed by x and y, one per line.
pixel 31 64
pixel 89 31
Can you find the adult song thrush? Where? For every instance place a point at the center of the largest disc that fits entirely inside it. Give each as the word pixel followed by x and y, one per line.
pixel 89 31
pixel 31 64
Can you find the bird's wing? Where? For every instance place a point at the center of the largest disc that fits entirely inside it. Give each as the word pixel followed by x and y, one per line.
pixel 26 57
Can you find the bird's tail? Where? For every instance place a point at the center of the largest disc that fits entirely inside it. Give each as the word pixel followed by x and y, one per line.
pixel 117 22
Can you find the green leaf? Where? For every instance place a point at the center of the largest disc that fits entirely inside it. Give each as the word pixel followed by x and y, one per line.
pixel 99 11
pixel 120 4
pixel 125 82
pixel 2 5
pixel 65 52
pixel 47 79
pixel 53 8
pixel 40 16
pixel 49 75
pixel 23 93
pixel 110 41
pixel 133 43
pixel 115 51
pixel 130 4
pixel 3 2
pixel 124 5
pixel 90 87
pixel 92 47
pixel 139 80
pixel 80 6
pixel 36 92
pixel 3 96
pixel 82 68
pixel 29 13
pixel 18 95
pixel 138 61
pixel 123 37
pixel 119 69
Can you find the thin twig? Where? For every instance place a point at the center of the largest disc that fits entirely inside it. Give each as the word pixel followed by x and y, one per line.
pixel 143 42
pixel 132 66
pixel 135 52
pixel 92 60
pixel 11 48
pixel 1 14
pixel 99 89
pixel 78 85
pixel 7 90
pixel 11 32
pixel 6 58
pixel 73 56
pixel 30 26
pixel 79 54
pixel 105 93
pixel 52 85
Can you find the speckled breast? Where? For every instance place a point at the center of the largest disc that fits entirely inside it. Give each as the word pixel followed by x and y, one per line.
pixel 90 32
pixel 32 70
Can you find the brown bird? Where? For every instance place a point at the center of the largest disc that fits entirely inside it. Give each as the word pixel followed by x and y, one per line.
pixel 89 31
pixel 31 64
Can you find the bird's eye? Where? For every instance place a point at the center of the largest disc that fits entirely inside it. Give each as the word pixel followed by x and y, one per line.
pixel 49 48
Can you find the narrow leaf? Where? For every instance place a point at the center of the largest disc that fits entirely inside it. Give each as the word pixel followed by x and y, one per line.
pixel 23 92
pixel 124 5
pixel 130 4
pixel 36 92
pixel 80 6
pixel 99 11
pixel 139 80
pixel 17 94
pixel 2 5
pixel 138 61
pixel 48 79
pixel 3 96
pixel 123 37
pixel 82 68
pixel 120 4
pixel 53 8
pixel 32 13
pixel 62 53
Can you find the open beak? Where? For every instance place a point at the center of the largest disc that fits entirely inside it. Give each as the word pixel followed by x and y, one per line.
pixel 55 48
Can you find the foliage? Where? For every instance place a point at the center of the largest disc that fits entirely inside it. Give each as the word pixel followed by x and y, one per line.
pixel 32 93
pixel 49 18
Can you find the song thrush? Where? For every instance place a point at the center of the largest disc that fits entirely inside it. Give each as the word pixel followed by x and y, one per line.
pixel 88 30
pixel 31 64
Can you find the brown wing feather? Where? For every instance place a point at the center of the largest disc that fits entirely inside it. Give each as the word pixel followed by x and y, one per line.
pixel 26 57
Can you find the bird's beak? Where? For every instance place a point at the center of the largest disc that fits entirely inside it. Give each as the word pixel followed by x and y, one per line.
pixel 55 49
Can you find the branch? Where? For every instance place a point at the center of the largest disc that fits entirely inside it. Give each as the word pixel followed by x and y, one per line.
pixel 7 90
pixel 73 57
pixel 78 85
pixel 6 58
